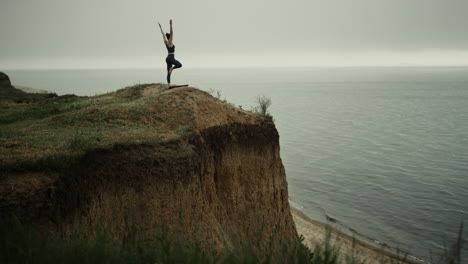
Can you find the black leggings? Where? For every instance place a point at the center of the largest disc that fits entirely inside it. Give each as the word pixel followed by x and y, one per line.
pixel 170 60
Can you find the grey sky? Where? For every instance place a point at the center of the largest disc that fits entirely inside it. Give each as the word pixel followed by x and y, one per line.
pixel 125 33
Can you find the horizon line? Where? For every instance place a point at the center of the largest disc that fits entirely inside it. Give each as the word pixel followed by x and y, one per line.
pixel 240 67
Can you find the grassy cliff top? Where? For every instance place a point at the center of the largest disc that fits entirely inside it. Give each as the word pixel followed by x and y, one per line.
pixel 49 133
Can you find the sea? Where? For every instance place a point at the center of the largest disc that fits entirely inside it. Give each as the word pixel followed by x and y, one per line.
pixel 383 151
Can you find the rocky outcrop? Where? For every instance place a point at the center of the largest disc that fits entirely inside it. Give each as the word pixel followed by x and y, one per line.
pixel 4 81
pixel 5 85
pixel 223 185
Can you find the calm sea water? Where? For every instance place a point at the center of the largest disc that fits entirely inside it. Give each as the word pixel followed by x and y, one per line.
pixel 383 150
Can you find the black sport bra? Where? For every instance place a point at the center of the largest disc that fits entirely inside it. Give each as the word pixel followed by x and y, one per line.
pixel 171 49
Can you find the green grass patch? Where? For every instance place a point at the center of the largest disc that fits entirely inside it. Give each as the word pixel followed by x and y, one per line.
pixel 38 109
pixel 25 244
pixel 131 92
pixel 17 96
pixel 51 133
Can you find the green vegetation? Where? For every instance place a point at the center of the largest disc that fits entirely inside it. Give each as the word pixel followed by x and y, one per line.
pixel 24 244
pixel 215 93
pixel 329 253
pixel 17 96
pixel 452 254
pixel 21 244
pixel 51 133
pixel 263 103
pixel 326 253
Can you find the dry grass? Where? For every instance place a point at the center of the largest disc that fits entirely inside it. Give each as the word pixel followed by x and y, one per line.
pixel 69 126
pixel 52 132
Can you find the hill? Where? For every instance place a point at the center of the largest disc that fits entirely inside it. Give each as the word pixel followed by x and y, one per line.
pixel 142 156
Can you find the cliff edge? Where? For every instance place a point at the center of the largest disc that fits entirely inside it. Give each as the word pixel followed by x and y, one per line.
pixel 180 160
pixel 19 94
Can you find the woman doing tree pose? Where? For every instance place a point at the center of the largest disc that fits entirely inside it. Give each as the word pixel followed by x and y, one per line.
pixel 171 62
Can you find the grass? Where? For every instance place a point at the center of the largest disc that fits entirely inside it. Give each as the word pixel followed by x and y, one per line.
pixel 327 253
pixel 261 108
pixel 215 93
pixel 25 244
pixel 22 97
pixel 51 133
pixel 452 254
pixel 36 109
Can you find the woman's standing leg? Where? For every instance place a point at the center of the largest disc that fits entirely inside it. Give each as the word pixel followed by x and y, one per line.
pixel 169 71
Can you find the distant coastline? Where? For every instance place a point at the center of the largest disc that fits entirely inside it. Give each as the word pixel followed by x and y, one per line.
pixel 30 90
pixel 315 232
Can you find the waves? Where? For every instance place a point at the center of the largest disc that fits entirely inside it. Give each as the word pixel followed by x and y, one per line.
pixel 390 162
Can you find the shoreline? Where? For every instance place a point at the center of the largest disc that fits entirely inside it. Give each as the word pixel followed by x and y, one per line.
pixel 315 232
pixel 30 90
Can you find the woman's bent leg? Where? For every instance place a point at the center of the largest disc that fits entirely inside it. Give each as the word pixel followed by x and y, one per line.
pixel 177 64
pixel 172 64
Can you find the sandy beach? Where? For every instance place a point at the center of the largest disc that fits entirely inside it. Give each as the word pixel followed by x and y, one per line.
pixel 315 232
pixel 29 89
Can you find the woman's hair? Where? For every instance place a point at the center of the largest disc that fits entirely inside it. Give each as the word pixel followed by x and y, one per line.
pixel 168 35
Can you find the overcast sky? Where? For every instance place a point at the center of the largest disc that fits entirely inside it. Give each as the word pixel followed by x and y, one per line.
pixel 124 33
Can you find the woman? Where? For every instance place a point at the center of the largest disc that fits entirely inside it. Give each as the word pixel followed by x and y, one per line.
pixel 171 62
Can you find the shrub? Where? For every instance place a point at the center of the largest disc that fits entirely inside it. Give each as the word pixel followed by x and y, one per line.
pixel 263 103
pixel 452 254
pixel 215 93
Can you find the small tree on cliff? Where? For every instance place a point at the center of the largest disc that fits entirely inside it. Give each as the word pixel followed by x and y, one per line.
pixel 263 103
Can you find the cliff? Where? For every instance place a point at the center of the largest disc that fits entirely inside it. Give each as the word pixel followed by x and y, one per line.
pixel 180 160
pixel 5 85
pixel 19 94
pixel 4 81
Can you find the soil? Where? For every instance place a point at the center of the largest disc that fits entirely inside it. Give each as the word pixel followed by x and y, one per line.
pixel 222 186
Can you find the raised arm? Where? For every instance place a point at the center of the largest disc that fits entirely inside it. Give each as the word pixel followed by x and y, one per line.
pixel 162 32
pixel 172 32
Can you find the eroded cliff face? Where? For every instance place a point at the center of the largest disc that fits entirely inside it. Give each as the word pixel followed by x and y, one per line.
pixel 223 185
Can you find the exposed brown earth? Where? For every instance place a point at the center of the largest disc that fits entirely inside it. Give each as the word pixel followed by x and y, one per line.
pixel 222 184
pixel 215 177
